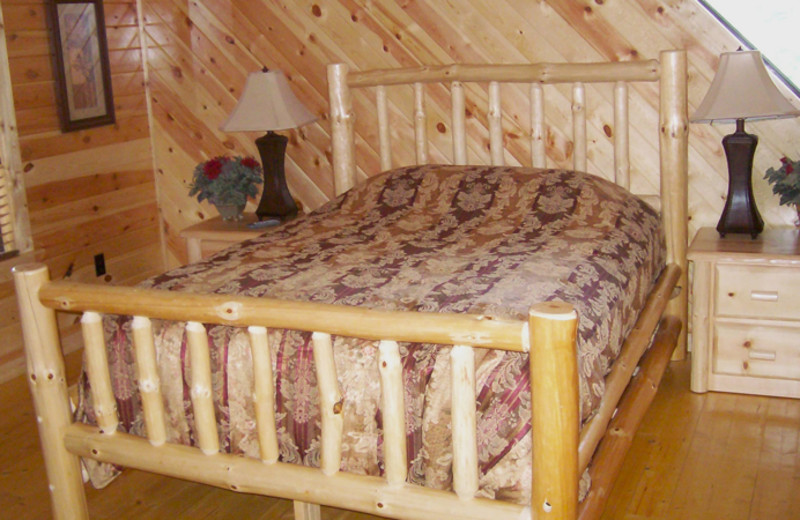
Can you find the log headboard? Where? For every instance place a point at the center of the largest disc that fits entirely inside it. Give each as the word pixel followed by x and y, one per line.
pixel 669 71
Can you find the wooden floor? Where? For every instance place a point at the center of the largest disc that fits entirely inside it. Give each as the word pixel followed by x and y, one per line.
pixel 712 456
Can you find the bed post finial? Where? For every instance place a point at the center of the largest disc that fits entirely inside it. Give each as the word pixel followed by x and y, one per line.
pixel 674 140
pixel 342 121
pixel 48 386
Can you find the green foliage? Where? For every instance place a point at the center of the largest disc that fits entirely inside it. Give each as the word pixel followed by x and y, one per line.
pixel 226 180
pixel 785 181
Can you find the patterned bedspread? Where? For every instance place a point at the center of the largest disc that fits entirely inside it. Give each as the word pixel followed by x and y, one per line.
pixel 488 240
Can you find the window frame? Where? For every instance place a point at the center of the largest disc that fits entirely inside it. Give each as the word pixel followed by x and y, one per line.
pixel 12 163
pixel 749 45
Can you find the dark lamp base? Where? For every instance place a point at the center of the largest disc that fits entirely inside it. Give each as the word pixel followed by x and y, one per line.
pixel 740 214
pixel 276 200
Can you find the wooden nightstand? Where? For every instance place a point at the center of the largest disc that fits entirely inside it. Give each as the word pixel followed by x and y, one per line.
pixel 210 236
pixel 746 313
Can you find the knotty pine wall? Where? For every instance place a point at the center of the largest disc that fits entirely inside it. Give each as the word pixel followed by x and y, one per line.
pixel 93 191
pixel 200 53
pixel 90 191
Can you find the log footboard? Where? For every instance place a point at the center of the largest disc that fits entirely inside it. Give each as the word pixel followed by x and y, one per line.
pixel 549 335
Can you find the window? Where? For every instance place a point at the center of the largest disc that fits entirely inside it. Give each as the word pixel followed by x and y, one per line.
pixel 768 26
pixel 8 246
pixel 14 225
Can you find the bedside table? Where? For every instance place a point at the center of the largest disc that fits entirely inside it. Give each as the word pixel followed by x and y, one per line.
pixel 746 313
pixel 210 236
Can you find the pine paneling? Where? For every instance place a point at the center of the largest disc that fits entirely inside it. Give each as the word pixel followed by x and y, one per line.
pixel 200 53
pixel 90 191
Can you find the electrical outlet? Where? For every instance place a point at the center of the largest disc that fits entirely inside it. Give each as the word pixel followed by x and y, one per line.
pixel 99 265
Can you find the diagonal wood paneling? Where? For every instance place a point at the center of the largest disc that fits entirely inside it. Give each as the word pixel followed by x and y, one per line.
pixel 199 54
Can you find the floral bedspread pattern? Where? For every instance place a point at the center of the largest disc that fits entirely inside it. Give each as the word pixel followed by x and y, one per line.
pixel 476 239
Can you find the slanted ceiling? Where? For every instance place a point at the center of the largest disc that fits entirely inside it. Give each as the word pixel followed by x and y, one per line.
pixel 199 54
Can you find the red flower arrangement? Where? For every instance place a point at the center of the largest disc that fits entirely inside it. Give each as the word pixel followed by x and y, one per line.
pixel 226 180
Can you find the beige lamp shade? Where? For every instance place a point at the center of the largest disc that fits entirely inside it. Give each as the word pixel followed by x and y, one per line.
pixel 267 103
pixel 742 89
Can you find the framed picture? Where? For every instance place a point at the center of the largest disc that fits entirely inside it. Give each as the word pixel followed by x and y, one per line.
pixel 82 73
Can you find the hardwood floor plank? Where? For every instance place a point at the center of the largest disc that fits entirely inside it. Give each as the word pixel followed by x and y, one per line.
pixel 668 452
pixel 777 485
pixel 737 459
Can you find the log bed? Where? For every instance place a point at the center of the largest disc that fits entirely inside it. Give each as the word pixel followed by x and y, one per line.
pixel 561 448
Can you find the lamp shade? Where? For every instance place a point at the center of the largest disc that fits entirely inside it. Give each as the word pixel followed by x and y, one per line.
pixel 267 103
pixel 742 89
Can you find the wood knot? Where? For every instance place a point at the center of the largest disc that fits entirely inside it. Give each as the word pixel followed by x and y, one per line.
pixel 337 408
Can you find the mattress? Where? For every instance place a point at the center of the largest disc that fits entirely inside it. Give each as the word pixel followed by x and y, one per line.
pixel 471 239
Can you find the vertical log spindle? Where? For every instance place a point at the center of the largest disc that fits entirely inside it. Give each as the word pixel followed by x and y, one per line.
pixel 383 129
pixel 264 394
pixel 465 445
pixel 579 126
pixel 103 401
pixel 330 401
pixel 459 126
pixel 622 166
pixel 149 382
pixel 205 423
pixel 420 122
pixel 538 150
pixel 393 412
pixel 495 124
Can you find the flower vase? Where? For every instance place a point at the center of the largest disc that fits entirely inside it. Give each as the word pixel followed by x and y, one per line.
pixel 230 212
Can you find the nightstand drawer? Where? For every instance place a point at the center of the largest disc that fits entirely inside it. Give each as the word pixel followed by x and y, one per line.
pixel 755 350
pixel 758 291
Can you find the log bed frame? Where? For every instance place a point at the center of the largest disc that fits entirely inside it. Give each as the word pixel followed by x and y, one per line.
pixel 561 449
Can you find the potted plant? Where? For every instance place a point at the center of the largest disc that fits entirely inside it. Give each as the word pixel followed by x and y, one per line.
pixel 785 183
pixel 227 182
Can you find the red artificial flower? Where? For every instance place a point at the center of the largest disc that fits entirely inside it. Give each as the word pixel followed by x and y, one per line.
pixel 212 168
pixel 249 162
pixel 784 160
pixel 789 168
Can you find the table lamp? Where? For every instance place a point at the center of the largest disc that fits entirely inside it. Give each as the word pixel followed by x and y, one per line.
pixel 268 104
pixel 741 89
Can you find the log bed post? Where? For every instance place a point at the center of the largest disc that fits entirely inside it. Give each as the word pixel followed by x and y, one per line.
pixel 48 386
pixel 555 417
pixel 342 121
pixel 674 142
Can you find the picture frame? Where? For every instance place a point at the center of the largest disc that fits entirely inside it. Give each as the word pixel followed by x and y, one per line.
pixel 82 69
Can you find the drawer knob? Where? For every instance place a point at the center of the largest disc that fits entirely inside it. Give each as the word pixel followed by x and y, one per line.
pixel 747 344
pixel 764 296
